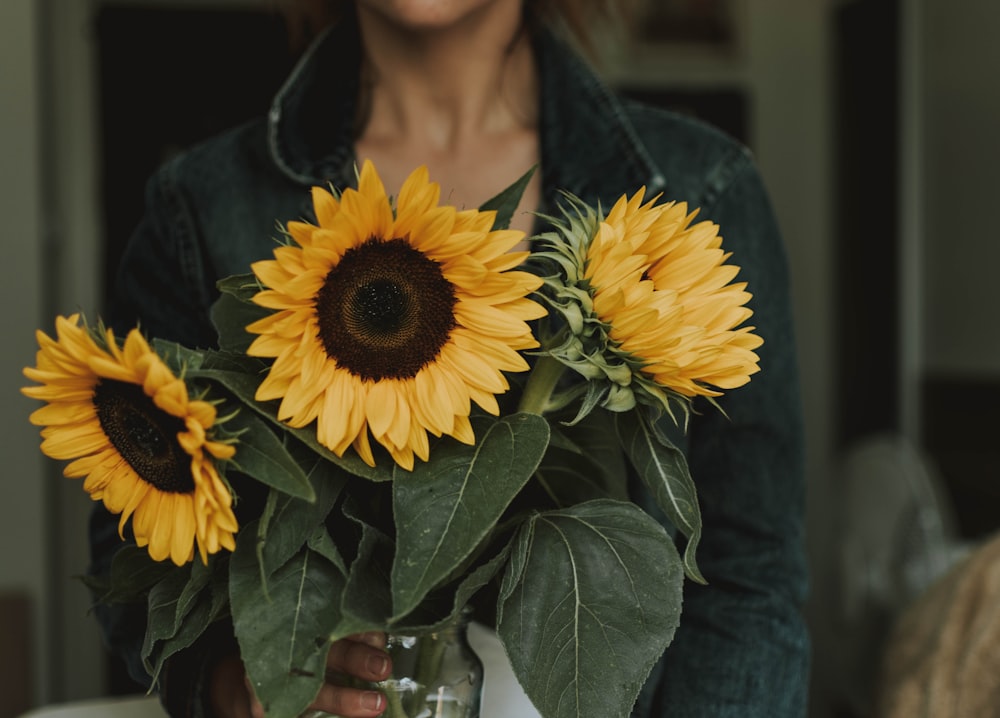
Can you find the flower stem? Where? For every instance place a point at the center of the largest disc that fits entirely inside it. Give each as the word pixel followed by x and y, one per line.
pixel 541 383
pixel 394 704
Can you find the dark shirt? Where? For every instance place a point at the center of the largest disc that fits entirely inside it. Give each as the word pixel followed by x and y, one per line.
pixel 742 649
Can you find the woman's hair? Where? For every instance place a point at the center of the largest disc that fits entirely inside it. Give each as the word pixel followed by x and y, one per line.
pixel 307 18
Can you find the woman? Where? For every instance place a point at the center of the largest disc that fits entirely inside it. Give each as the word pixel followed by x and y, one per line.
pixel 479 91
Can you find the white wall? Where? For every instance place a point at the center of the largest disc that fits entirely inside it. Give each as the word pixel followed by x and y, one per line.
pixel 47 182
pixel 23 516
pixel 22 511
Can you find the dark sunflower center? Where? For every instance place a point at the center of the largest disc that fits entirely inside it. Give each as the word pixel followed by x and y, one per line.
pixel 385 310
pixel 144 435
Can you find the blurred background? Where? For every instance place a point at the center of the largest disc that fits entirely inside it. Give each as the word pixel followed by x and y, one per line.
pixel 874 123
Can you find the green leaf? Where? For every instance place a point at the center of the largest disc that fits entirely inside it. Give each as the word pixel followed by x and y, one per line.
pixel 584 462
pixel 367 602
pixel 212 603
pixel 480 577
pixel 242 287
pixel 179 358
pixel 178 611
pixel 594 438
pixel 254 367
pixel 230 316
pixel 262 454
pixel 590 599
pixel 294 520
pixel 133 574
pixel 284 635
pixel 444 508
pixel 663 468
pixel 507 201
pixel 161 607
pixel 321 543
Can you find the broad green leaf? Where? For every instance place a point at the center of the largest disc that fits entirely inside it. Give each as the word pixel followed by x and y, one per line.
pixel 213 601
pixel 192 609
pixel 179 358
pixel 162 602
pixel 194 624
pixel 663 468
pixel 367 603
pixel 595 439
pixel 444 508
pixel 443 606
pixel 230 316
pixel 253 367
pixel 321 543
pixel 242 287
pixel 294 520
pixel 590 600
pixel 584 462
pixel 480 577
pixel 133 574
pixel 263 455
pixel 507 201
pixel 284 636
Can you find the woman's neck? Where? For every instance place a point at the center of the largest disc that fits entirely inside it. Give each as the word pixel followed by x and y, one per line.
pixel 444 87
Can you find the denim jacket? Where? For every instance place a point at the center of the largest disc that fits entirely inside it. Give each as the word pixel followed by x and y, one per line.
pixel 742 649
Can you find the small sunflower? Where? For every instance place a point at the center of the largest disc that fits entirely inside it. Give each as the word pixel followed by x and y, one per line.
pixel 128 425
pixel 660 311
pixel 390 319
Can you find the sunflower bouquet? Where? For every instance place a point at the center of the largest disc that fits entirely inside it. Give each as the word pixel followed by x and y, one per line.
pixel 406 416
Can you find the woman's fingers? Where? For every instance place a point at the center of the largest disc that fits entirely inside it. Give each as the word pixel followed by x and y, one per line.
pixel 349 702
pixel 360 656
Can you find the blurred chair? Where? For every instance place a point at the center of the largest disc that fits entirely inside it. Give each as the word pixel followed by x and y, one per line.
pixel 896 537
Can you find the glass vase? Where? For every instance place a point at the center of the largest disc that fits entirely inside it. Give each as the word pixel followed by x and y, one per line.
pixel 434 675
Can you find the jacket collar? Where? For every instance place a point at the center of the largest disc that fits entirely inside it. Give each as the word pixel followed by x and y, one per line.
pixel 589 146
pixel 311 121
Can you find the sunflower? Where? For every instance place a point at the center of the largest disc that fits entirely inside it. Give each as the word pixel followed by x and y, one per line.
pixel 128 425
pixel 390 319
pixel 659 302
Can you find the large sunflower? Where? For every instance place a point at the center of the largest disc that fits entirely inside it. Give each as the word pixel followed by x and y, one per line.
pixel 389 319
pixel 128 425
pixel 651 310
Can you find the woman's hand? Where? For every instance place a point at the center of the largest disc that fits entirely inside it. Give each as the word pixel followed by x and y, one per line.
pixel 361 656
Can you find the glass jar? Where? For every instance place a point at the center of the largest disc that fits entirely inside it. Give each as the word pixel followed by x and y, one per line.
pixel 434 675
